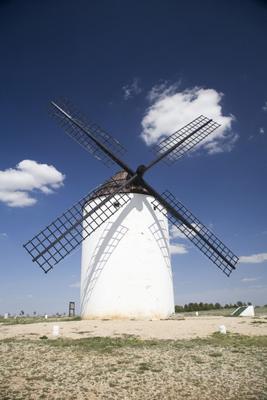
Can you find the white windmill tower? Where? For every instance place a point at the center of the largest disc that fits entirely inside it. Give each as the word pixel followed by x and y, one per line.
pixel 127 259
pixel 123 224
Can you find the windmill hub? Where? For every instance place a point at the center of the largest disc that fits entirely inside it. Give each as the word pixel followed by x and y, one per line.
pixel 140 170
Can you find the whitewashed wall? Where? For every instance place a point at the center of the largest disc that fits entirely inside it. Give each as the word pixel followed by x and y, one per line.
pixel 126 270
pixel 248 312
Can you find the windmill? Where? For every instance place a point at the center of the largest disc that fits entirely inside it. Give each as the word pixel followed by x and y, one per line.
pixel 123 227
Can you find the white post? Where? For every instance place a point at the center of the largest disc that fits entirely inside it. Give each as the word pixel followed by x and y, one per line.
pixel 55 330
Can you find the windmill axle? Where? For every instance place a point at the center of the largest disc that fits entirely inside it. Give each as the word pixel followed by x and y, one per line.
pixel 140 170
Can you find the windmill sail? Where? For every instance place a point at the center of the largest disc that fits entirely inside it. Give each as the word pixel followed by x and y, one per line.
pixel 199 235
pixel 183 140
pixel 67 232
pixel 64 234
pixel 88 135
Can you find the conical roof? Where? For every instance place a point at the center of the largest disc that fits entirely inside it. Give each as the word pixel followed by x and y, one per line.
pixel 117 180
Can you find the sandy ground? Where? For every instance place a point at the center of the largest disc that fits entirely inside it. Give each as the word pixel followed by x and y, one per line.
pixel 188 328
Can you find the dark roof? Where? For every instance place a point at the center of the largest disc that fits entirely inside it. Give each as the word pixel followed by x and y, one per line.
pixel 117 180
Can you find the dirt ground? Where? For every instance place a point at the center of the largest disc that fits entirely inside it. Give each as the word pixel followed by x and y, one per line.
pixel 187 328
pixel 100 360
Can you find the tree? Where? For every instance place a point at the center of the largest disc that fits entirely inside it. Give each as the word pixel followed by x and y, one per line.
pixel 179 308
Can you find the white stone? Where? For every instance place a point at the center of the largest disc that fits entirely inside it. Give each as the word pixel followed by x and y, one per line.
pixel 222 329
pixel 55 330
pixel 126 269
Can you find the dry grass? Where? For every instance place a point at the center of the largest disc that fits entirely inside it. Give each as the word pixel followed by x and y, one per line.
pixel 219 367
pixel 34 320
pixel 224 312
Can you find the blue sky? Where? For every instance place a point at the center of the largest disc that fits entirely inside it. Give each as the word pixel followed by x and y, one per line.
pixel 129 66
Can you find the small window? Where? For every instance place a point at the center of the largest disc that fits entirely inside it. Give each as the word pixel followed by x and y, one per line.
pixel 116 204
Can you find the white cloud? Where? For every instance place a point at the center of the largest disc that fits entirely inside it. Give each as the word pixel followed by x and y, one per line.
pixel 176 233
pixel 178 248
pixel 17 184
pixel 253 259
pixel 75 284
pixel 171 109
pixel 3 235
pixel 163 89
pixel 264 107
pixel 261 132
pixel 249 279
pixel 132 89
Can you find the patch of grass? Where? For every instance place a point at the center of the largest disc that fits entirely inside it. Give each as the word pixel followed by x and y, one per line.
pixel 259 322
pixel 144 366
pixel 109 344
pixel 234 342
pixel 261 310
pixel 8 340
pixel 34 320
pixel 237 351
pixel 103 344
pixel 36 378
pixel 198 360
pixel 223 312
pixel 215 354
